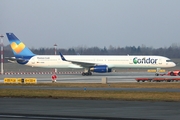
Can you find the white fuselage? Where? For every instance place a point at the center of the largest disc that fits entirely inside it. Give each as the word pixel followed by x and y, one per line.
pixel 112 61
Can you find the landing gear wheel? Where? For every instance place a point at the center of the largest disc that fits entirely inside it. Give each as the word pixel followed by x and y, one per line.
pixel 86 73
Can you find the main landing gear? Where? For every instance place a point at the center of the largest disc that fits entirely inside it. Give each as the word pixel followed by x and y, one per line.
pixel 86 73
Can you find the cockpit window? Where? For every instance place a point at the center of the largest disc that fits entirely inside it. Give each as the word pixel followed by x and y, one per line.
pixel 169 61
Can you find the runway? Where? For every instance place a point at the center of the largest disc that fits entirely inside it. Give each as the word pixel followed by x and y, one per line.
pixel 78 78
pixel 115 77
pixel 66 109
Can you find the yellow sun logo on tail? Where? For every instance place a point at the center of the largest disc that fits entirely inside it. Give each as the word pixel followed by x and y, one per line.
pixel 17 47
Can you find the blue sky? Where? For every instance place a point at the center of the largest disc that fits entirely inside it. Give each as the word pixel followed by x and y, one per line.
pixel 89 23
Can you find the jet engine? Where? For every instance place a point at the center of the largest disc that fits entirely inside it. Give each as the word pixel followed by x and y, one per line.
pixel 100 69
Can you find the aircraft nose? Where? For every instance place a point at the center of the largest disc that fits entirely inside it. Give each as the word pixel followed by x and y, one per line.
pixel 173 64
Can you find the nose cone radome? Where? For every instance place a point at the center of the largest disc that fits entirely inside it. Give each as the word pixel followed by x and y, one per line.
pixel 173 64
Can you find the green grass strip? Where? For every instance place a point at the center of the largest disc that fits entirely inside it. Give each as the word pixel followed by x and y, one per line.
pixel 97 95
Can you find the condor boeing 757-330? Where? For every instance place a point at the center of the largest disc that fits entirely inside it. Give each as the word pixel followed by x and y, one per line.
pixel 90 63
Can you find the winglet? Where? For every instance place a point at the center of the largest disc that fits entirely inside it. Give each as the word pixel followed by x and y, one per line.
pixel 62 57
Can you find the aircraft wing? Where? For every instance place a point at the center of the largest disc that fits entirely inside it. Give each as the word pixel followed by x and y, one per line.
pixel 82 64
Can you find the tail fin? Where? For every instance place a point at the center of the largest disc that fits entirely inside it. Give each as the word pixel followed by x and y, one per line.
pixel 19 49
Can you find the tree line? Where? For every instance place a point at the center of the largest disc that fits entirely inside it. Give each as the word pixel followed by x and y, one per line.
pixel 170 52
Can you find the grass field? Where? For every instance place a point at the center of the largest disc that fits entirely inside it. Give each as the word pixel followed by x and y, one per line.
pixel 95 94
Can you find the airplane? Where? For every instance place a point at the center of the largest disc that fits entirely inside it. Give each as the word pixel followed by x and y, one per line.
pixel 90 63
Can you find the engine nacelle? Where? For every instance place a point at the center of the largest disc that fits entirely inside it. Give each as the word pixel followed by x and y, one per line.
pixel 101 69
pixel 22 61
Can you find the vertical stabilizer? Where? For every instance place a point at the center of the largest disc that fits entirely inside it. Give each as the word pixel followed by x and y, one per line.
pixel 19 48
